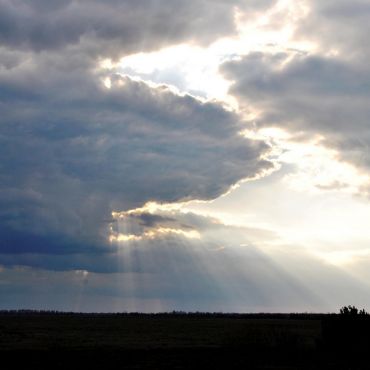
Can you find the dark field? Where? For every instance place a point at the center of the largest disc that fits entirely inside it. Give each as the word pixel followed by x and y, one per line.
pixel 180 341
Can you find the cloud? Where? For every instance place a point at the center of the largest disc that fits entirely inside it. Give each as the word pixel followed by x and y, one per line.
pixel 116 27
pixel 74 151
pixel 339 26
pixel 308 95
pixel 139 236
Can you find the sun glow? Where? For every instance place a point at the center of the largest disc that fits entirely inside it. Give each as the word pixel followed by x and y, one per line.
pixel 344 258
pixel 317 168
pixel 320 169
pixel 190 69
pixel 107 82
pixel 150 207
pixel 154 234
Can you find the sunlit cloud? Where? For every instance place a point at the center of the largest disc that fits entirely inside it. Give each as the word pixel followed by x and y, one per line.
pixel 275 28
pixel 153 234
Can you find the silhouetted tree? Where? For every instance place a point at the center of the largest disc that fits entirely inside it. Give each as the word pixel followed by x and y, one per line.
pixel 352 311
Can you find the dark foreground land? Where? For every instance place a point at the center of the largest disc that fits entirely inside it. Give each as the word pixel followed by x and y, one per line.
pixel 33 340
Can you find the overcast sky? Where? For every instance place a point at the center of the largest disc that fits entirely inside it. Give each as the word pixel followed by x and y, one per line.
pixel 208 155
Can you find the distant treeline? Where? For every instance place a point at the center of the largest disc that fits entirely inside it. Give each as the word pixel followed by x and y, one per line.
pixel 262 315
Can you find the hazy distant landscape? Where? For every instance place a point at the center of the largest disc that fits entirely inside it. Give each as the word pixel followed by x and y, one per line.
pixel 183 341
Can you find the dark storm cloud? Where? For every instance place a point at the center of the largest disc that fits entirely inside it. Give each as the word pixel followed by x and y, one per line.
pixel 308 94
pixel 116 27
pixel 73 151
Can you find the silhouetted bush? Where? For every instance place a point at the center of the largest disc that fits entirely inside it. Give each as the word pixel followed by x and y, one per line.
pixel 352 311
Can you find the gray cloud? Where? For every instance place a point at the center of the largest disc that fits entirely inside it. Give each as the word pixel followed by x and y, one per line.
pixel 72 151
pixel 308 95
pixel 322 92
pixel 149 254
pixel 338 25
pixel 116 27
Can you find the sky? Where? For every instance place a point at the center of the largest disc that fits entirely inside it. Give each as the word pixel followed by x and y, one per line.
pixel 198 155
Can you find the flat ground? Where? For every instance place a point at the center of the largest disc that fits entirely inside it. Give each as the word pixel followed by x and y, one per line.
pixel 179 341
